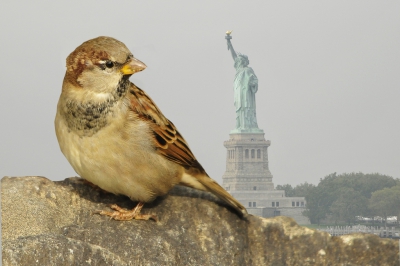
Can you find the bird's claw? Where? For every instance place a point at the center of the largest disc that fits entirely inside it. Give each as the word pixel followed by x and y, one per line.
pixel 121 214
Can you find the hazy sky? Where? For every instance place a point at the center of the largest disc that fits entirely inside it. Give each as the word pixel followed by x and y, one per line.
pixel 329 76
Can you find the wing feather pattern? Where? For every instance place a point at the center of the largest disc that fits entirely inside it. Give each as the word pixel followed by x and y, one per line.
pixel 167 140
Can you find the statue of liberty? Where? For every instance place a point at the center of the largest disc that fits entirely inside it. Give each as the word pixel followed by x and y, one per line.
pixel 245 88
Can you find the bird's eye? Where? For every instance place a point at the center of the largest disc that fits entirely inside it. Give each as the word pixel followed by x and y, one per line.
pixel 109 64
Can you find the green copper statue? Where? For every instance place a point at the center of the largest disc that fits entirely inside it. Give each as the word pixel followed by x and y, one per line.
pixel 245 88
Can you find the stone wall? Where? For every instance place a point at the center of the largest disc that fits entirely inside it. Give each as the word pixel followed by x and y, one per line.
pixel 52 223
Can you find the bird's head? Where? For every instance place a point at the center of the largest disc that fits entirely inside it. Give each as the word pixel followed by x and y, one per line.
pixel 97 66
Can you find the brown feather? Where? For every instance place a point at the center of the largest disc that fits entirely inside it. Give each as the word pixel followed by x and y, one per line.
pixel 167 140
pixel 217 190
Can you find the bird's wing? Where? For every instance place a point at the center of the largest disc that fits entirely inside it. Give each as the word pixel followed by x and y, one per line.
pixel 170 144
pixel 167 140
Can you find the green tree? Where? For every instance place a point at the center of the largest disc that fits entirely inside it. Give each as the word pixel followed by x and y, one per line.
pixel 302 189
pixel 368 183
pixel 289 192
pixel 320 199
pixel 329 190
pixel 386 202
pixel 348 205
pixel 314 207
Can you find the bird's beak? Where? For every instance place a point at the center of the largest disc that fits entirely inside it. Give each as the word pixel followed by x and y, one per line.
pixel 132 67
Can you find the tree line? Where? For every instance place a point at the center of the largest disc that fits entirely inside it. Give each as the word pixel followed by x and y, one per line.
pixel 345 196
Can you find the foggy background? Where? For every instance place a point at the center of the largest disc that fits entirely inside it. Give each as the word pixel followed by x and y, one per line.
pixel 329 75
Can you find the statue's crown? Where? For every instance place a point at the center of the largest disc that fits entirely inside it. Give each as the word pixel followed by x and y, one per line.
pixel 242 55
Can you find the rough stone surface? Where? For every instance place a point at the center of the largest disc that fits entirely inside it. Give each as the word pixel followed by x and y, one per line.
pixel 51 223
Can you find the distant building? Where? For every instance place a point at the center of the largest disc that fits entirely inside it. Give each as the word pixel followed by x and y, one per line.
pixel 249 180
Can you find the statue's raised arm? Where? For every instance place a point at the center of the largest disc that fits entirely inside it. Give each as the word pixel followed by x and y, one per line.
pixel 228 38
pixel 245 87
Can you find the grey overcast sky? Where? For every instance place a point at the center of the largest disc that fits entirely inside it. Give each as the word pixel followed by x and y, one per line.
pixel 329 78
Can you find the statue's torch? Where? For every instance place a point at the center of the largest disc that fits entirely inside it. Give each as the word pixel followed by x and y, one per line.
pixel 228 37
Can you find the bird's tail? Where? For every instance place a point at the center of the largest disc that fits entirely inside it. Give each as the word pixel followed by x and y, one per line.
pixel 201 181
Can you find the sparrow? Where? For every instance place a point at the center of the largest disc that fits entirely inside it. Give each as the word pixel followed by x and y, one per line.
pixel 116 137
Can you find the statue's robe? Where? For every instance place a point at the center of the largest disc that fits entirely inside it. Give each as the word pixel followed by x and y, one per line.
pixel 245 88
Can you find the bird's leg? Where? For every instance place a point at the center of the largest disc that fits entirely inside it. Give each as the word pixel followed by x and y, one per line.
pixel 121 214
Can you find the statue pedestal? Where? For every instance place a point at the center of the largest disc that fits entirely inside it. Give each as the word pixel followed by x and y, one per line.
pixel 247 162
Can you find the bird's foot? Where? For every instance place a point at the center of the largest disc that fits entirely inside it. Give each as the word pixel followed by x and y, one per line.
pixel 122 214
